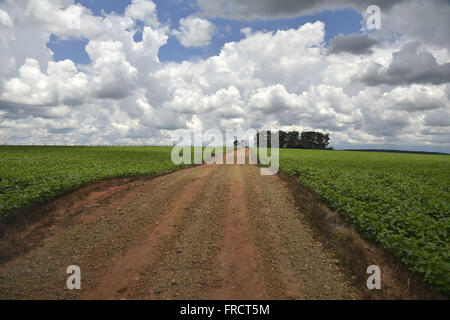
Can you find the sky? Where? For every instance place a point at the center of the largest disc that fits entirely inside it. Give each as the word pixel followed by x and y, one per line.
pixel 98 72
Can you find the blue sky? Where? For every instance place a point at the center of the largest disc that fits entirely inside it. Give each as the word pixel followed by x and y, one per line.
pixel 169 12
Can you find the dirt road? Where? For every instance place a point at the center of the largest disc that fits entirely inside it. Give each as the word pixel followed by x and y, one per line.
pixel 207 232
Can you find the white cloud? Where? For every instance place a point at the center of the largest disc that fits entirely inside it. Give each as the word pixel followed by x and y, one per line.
pixel 426 21
pixel 282 79
pixel 113 76
pixel 61 84
pixel 143 10
pixel 63 19
pixel 416 98
pixel 274 99
pixel 269 9
pixel 195 32
pixel 5 19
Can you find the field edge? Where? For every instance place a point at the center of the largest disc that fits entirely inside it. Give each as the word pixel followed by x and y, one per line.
pixel 15 236
pixel 356 253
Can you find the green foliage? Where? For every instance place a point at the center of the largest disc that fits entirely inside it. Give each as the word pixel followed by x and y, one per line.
pixel 294 139
pixel 400 201
pixel 30 175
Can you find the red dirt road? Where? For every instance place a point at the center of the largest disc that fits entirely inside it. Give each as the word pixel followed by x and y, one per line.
pixel 207 232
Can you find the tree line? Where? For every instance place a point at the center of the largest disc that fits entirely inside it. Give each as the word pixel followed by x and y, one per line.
pixel 296 140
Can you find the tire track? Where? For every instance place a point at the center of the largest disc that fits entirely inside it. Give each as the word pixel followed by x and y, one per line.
pixel 299 265
pixel 238 266
pixel 186 268
pixel 208 232
pixel 128 267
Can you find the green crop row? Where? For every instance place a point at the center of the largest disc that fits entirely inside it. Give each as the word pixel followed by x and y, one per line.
pixel 400 201
pixel 32 175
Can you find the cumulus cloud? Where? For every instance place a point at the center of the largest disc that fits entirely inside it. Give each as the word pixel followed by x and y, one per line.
pixel 416 98
pixel 251 9
pixel 426 21
pixel 5 19
pixel 194 32
pixel 61 84
pixel 409 65
pixel 62 19
pixel 438 118
pixel 113 76
pixel 363 90
pixel 352 43
pixel 143 10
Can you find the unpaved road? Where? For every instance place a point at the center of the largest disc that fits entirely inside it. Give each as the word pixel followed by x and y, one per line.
pixel 207 232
